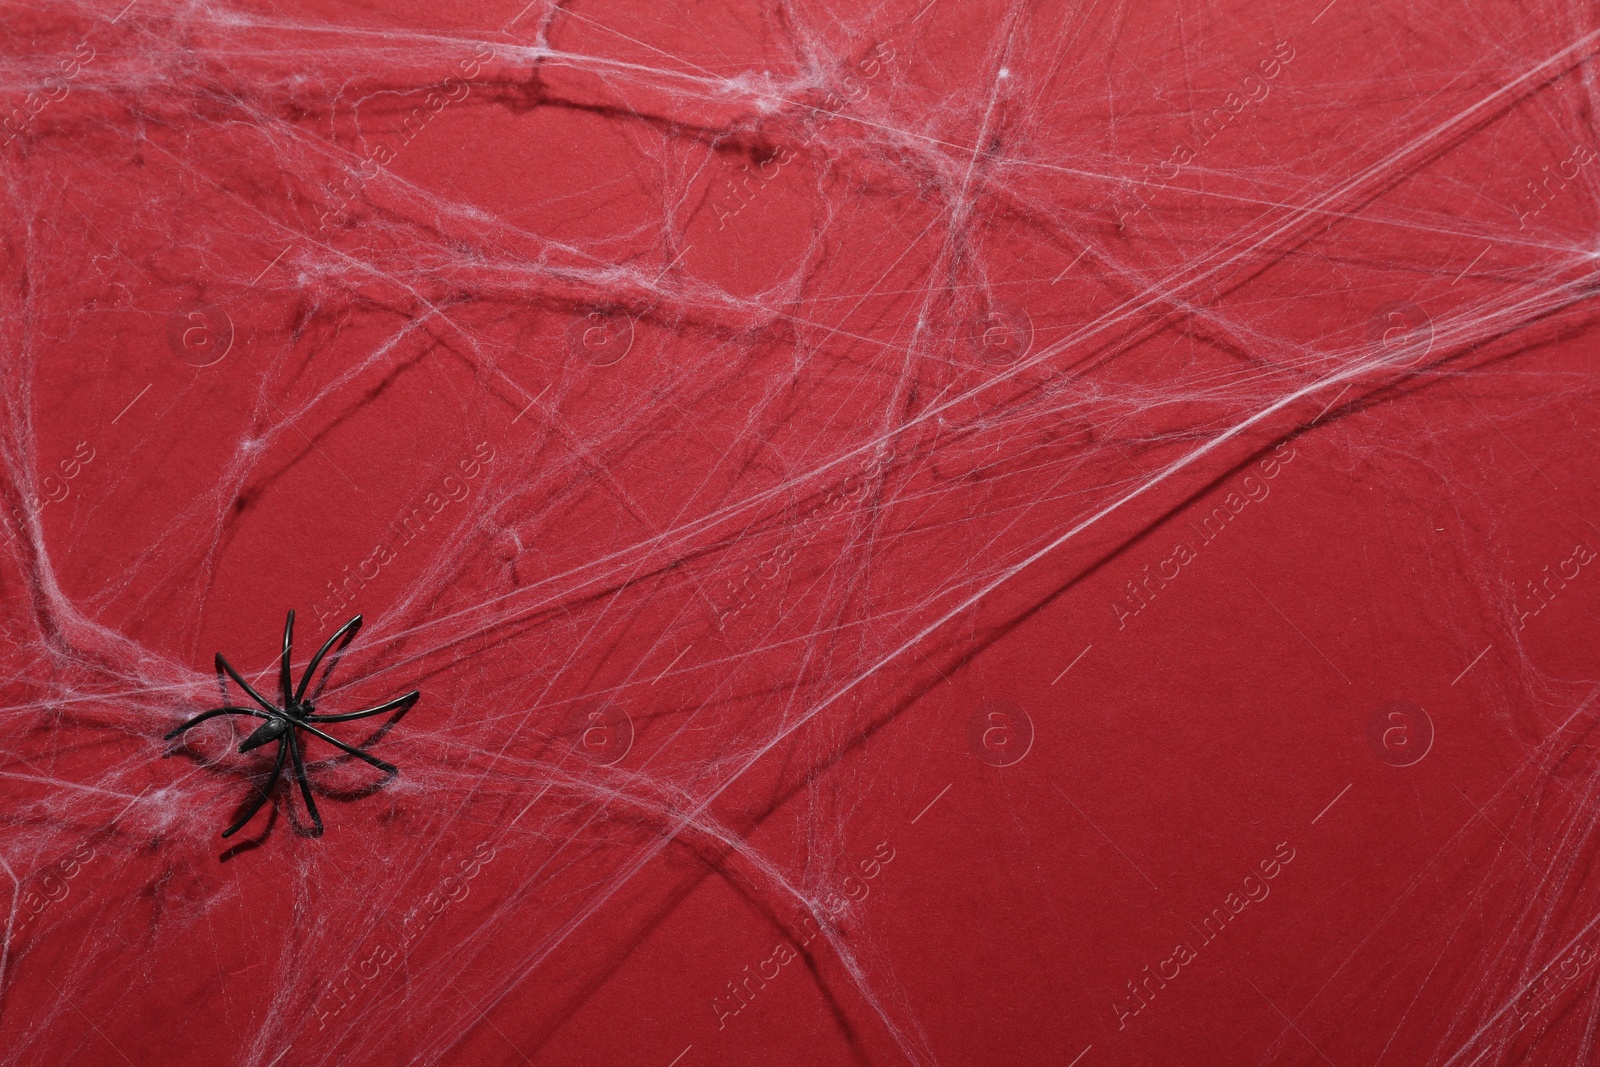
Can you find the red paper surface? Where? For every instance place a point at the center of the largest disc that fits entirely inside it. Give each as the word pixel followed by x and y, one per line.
pixel 930 533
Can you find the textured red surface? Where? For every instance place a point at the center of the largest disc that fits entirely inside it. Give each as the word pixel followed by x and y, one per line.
pixel 933 533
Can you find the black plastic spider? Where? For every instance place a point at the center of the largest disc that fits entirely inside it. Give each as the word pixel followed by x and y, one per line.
pixel 297 713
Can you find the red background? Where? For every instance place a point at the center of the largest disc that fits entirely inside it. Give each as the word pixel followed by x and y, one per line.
pixel 784 399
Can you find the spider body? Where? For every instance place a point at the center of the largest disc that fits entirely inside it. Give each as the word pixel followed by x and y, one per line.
pixel 283 722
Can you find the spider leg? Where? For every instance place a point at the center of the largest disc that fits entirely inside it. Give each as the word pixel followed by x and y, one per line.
pixel 261 798
pixel 343 635
pixel 222 681
pixel 403 703
pixel 387 768
pixel 305 783
pixel 213 713
pixel 257 697
pixel 285 679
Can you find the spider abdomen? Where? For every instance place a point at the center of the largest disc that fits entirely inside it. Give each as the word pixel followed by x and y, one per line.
pixel 265 734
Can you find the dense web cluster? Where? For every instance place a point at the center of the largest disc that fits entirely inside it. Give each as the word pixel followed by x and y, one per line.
pixel 898 513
